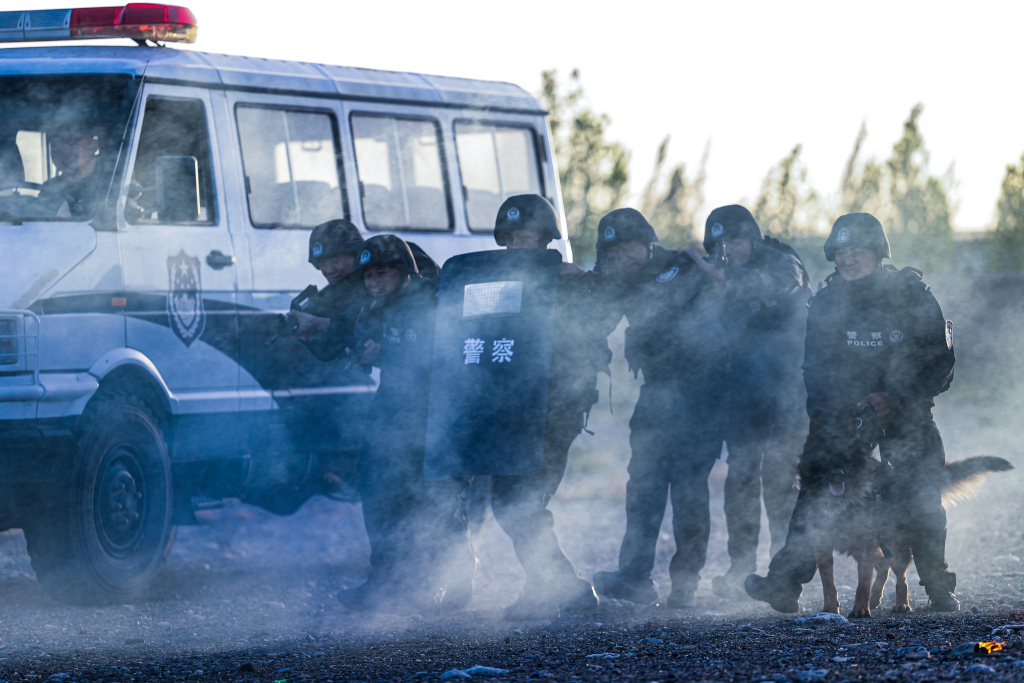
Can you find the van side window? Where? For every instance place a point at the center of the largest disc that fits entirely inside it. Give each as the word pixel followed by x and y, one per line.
pixel 496 163
pixel 401 173
pixel 172 181
pixel 290 160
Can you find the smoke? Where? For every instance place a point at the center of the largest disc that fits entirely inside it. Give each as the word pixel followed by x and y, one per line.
pixel 249 580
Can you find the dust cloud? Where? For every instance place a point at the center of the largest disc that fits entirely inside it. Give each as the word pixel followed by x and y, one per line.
pixel 246 579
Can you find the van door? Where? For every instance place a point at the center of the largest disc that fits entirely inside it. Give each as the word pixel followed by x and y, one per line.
pixel 292 181
pixel 177 253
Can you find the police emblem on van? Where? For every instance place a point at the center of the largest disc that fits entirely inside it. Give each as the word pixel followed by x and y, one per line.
pixel 185 311
pixel 896 336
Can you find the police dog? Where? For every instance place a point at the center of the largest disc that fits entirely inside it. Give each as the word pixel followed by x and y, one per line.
pixel 958 481
pixel 842 479
pixel 838 474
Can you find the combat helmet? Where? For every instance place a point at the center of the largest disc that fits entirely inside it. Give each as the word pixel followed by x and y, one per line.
pixel 529 211
pixel 387 250
pixel 857 230
pixel 624 225
pixel 337 237
pixel 731 222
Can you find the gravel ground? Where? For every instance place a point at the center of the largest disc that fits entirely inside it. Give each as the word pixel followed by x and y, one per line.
pixel 251 597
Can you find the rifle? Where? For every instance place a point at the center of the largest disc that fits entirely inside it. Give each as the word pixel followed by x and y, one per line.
pixel 287 326
pixel 719 260
pixel 360 335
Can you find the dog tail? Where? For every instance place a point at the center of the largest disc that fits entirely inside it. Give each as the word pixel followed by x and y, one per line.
pixel 960 478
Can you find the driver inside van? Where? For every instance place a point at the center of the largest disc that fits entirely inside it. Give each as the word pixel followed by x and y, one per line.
pixel 75 153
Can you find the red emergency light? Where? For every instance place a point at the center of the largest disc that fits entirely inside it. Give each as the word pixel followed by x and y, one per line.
pixel 138 21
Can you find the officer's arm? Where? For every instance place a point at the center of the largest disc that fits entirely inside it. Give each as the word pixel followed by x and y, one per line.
pixel 339 335
pixel 817 363
pixel 607 301
pixel 775 278
pixel 583 320
pixel 923 364
pixel 641 349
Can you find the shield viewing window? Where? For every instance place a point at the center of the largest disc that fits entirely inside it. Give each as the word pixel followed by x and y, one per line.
pixel 492 298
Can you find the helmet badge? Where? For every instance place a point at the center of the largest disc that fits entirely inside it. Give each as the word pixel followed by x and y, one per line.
pixel 717 230
pixel 364 258
pixel 609 234
pixel 318 249
pixel 513 214
pixel 843 236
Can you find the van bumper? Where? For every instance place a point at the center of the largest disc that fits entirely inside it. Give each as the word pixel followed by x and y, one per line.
pixel 56 394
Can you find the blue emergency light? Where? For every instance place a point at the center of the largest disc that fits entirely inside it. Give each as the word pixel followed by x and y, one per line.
pixel 138 21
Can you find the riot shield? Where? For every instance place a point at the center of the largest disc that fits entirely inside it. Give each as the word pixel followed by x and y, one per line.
pixel 492 360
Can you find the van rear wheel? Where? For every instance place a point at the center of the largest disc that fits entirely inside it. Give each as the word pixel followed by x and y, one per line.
pixel 104 542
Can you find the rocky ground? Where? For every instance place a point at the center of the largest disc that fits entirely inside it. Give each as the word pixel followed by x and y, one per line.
pixel 251 597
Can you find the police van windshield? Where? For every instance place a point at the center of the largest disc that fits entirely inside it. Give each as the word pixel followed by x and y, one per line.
pixel 59 138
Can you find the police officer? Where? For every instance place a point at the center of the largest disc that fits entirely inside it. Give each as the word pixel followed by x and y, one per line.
pixel 326 431
pixel 676 338
pixel 764 288
pixel 78 190
pixel 876 340
pixel 325 320
pixel 579 352
pixel 419 545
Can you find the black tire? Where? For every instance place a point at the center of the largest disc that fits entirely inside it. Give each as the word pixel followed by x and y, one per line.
pixel 105 540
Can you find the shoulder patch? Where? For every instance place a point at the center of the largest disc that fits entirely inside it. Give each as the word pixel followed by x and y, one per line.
pixel 668 274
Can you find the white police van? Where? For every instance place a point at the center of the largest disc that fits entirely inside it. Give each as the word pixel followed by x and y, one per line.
pixel 155 212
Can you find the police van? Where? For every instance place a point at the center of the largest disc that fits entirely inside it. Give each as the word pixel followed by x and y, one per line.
pixel 155 213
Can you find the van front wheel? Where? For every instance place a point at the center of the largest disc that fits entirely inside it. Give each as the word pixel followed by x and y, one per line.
pixel 105 540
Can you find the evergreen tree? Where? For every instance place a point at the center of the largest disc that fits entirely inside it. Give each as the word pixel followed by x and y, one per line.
pixel 861 187
pixel 921 218
pixel 787 206
pixel 673 210
pixel 593 172
pixel 913 206
pixel 1006 242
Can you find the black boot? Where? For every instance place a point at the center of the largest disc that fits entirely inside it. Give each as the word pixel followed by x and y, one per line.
pixel 620 586
pixel 730 585
pixel 760 588
pixel 944 602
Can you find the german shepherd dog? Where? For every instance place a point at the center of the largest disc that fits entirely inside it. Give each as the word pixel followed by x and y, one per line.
pixel 959 480
pixel 842 480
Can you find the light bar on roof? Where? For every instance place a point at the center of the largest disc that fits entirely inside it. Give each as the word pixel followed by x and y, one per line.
pixel 139 21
